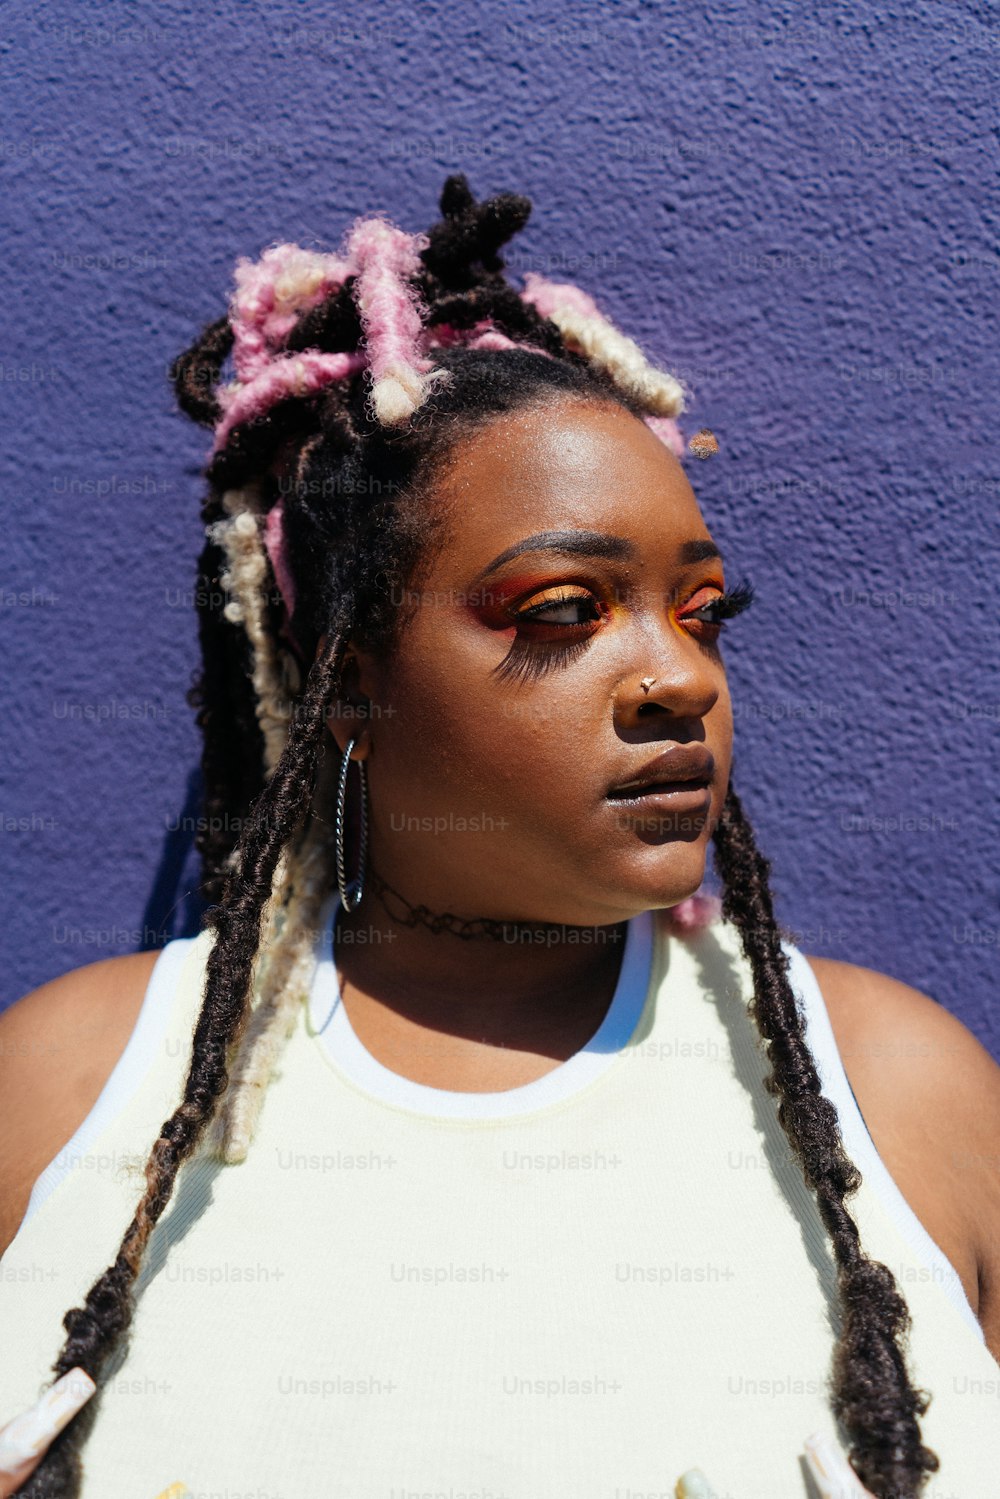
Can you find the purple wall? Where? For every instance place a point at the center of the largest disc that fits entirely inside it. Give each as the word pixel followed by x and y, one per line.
pixel 787 204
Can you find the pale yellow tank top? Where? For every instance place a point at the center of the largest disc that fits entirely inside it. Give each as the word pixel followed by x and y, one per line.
pixel 574 1289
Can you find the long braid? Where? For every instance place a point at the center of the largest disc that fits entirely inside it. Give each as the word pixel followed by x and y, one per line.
pixel 232 759
pixel 301 423
pixel 95 1328
pixel 872 1393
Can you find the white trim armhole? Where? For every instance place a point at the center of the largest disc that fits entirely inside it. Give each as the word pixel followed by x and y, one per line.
pixel 858 1141
pixel 127 1075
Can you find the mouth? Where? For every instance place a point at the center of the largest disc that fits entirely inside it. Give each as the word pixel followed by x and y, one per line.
pixel 670 793
pixel 678 772
pixel 669 797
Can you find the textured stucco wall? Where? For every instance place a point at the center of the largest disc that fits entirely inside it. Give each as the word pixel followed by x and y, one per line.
pixel 787 204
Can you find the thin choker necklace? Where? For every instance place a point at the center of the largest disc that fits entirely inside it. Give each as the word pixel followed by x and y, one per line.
pixel 547 932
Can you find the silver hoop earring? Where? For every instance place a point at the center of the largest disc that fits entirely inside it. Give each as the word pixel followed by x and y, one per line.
pixel 350 894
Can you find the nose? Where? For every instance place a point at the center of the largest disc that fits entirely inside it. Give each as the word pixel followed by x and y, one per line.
pixel 686 680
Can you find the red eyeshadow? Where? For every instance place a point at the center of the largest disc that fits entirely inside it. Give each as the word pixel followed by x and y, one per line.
pixel 489 603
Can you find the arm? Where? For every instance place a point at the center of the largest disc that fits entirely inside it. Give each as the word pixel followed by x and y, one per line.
pixel 929 1093
pixel 58 1047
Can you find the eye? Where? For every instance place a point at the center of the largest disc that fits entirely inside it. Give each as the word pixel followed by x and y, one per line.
pixel 710 616
pixel 563 611
pixel 549 634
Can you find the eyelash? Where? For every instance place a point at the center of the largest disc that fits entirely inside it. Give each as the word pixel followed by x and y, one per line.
pixel 728 604
pixel 527 661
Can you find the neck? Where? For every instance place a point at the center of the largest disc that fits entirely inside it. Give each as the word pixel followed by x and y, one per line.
pixel 507 983
pixel 476 928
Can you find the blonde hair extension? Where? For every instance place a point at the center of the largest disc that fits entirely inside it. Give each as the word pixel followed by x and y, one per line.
pixel 276 675
pixel 587 331
pixel 283 984
pixel 623 359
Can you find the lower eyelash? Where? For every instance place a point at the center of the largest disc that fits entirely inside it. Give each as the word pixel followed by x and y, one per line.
pixel 528 660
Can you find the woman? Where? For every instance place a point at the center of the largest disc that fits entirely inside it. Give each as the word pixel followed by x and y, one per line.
pixel 517 1213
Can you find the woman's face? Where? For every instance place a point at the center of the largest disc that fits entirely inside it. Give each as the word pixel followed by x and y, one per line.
pixel 499 726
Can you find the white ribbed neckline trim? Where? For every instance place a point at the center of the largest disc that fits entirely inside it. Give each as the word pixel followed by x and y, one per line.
pixel 330 1026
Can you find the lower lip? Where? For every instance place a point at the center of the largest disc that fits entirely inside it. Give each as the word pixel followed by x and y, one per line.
pixel 682 797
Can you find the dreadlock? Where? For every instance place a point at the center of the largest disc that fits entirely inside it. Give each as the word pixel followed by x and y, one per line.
pixel 354 377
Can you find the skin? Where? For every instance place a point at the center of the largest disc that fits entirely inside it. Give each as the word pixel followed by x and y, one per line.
pixel 444 736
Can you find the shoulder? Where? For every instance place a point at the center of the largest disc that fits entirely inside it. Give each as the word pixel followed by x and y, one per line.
pixel 74 1018
pixel 929 1093
pixel 58 1046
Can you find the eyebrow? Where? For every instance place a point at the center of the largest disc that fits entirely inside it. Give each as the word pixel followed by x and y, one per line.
pixel 593 544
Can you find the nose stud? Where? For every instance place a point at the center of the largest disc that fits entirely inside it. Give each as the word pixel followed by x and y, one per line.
pixel 647 683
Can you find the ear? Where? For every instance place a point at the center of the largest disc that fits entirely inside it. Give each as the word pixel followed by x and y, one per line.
pixel 349 715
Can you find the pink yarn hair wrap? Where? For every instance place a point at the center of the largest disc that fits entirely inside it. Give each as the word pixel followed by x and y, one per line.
pixel 271 294
pixel 386 259
pixel 482 335
pixel 274 545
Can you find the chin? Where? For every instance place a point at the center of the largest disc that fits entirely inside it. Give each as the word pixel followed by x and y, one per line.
pixel 653 879
pixel 666 873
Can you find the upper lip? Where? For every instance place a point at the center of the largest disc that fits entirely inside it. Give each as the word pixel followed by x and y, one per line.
pixel 681 762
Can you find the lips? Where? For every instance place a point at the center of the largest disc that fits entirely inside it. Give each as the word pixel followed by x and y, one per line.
pixel 682 767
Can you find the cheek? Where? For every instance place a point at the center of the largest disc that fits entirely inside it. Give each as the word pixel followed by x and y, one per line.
pixel 435 730
pixel 465 732
pixel 720 739
pixel 455 729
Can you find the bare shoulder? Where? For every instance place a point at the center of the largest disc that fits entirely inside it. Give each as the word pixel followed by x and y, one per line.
pixel 929 1092
pixel 59 1045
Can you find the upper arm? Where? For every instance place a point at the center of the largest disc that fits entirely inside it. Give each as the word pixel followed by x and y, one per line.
pixel 929 1093
pixel 58 1046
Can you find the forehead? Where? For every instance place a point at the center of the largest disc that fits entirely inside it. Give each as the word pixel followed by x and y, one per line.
pixel 567 464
